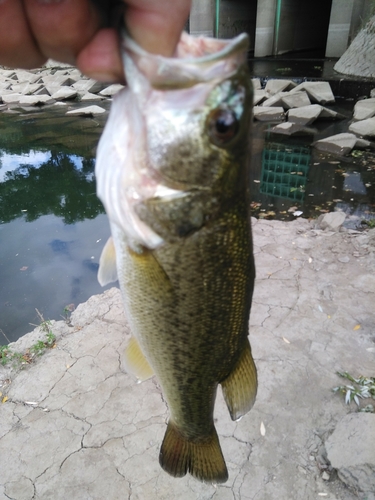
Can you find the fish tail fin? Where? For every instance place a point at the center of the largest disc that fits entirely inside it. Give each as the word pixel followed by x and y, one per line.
pixel 203 459
pixel 240 387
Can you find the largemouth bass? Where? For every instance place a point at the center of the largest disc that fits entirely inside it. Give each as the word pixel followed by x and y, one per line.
pixel 172 174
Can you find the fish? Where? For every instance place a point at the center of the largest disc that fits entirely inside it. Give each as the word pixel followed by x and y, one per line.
pixel 172 173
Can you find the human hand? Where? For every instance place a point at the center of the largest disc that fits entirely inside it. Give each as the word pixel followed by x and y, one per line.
pixel 75 32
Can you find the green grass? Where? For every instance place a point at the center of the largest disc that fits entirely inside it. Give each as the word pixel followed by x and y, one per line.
pixel 370 223
pixel 7 355
pixel 360 388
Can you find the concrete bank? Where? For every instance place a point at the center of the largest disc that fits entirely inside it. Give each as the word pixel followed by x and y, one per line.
pixel 73 424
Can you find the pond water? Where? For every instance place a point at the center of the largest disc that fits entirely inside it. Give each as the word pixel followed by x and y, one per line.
pixel 53 227
pixel 290 176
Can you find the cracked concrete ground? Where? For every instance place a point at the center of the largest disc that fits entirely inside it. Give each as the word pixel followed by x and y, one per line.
pixel 75 425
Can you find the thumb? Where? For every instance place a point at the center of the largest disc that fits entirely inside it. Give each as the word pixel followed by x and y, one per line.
pixel 157 26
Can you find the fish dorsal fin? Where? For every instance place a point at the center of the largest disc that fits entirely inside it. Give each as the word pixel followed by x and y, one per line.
pixel 135 362
pixel 240 387
pixel 107 264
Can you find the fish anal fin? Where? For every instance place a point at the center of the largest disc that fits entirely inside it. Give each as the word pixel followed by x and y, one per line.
pixel 203 458
pixel 135 362
pixel 107 264
pixel 240 387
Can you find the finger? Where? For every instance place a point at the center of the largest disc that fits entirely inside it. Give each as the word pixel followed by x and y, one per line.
pixel 17 45
pixel 157 26
pixel 101 59
pixel 62 27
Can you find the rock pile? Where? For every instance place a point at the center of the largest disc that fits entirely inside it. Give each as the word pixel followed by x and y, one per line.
pixel 52 85
pixel 300 104
pixel 292 108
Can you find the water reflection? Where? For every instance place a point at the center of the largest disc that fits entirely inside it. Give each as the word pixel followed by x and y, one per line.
pixel 59 246
pixel 289 176
pixel 60 185
pixel 47 264
pixel 52 225
pixel 10 162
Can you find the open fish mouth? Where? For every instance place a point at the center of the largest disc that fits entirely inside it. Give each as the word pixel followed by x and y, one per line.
pixel 162 90
pixel 196 60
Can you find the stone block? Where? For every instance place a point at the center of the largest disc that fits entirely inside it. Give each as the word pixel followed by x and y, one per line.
pixel 331 221
pixel 295 100
pixel 91 97
pixel 5 85
pixel 7 73
pixel 319 92
pixel 351 450
pixel 305 114
pixel 256 83
pixel 275 100
pixel 329 114
pixel 88 111
pixel 290 128
pixel 268 114
pixel 363 128
pixel 363 144
pixel 275 86
pixel 89 85
pixel 9 98
pixel 27 76
pixel 339 144
pixel 26 88
pixel 364 109
pixel 75 74
pixel 36 100
pixel 64 93
pixel 42 91
pixel 57 80
pixel 259 96
pixel 111 90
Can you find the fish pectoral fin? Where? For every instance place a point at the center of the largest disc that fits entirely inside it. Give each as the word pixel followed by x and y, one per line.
pixel 240 387
pixel 151 270
pixel 107 264
pixel 135 362
pixel 203 459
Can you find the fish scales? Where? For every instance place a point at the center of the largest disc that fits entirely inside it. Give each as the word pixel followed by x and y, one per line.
pixel 182 244
pixel 193 313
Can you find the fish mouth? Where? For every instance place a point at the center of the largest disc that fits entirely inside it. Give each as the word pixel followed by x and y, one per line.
pixel 196 60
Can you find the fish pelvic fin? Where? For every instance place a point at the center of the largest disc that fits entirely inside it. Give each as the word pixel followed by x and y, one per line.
pixel 203 459
pixel 107 264
pixel 240 387
pixel 135 361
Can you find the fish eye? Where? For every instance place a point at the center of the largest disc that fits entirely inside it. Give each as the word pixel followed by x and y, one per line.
pixel 222 126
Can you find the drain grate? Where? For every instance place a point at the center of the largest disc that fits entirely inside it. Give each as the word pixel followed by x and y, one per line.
pixel 284 171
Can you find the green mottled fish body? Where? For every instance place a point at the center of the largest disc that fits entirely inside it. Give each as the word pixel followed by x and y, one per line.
pixel 172 174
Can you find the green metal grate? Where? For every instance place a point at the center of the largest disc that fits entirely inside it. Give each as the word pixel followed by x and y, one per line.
pixel 284 171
